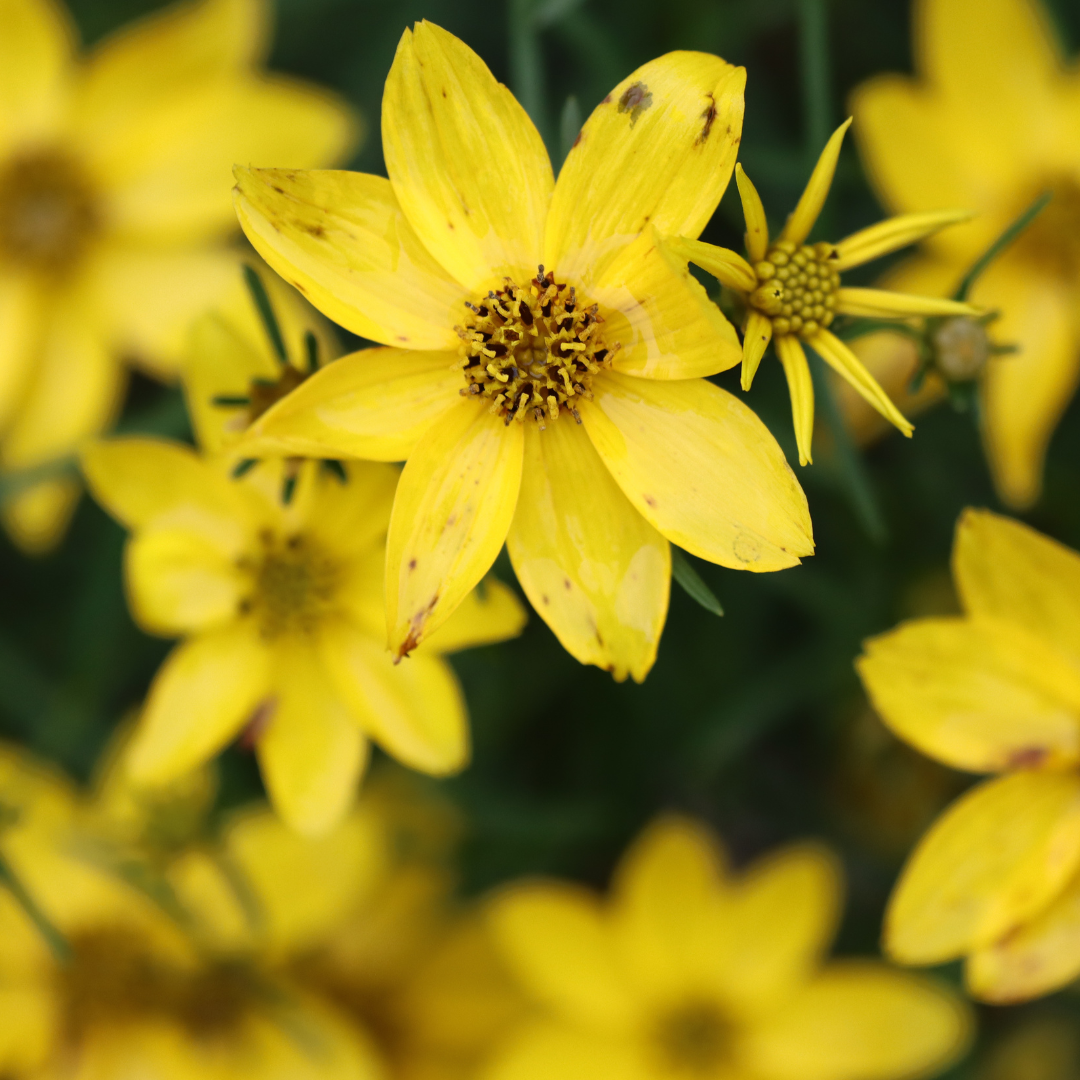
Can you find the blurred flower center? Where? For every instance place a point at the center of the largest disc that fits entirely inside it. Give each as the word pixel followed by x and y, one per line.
pixel 694 1039
pixel 1053 238
pixel 48 211
pixel 264 393
pixel 294 585
pixel 533 351
pixel 961 348
pixel 797 289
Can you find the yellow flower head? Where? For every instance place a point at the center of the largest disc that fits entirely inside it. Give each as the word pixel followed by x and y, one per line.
pixel 996 690
pixel 692 972
pixel 113 207
pixel 792 290
pixel 544 352
pixel 275 580
pixel 960 135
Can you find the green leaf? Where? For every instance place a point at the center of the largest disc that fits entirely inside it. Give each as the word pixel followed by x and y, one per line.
pixel 266 312
pixel 690 580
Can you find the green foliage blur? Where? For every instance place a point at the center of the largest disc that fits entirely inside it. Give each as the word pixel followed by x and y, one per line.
pixel 754 721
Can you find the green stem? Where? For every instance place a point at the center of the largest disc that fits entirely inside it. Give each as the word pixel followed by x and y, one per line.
pixel 266 312
pixel 527 62
pixel 860 490
pixel 814 64
pixel 1000 244
pixel 56 941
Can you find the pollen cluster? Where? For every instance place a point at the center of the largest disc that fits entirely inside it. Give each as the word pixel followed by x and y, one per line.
pixel 533 351
pixel 48 211
pixel 797 289
pixel 694 1039
pixel 293 585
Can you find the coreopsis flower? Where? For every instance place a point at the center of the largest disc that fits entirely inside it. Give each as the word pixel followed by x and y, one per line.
pixel 146 990
pixel 939 138
pixel 996 879
pixel 114 207
pixel 792 290
pixel 690 970
pixel 544 353
pixel 281 609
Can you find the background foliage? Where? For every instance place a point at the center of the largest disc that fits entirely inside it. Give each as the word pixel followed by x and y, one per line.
pixel 754 721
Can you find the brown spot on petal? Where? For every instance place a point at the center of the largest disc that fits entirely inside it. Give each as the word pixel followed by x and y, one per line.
pixel 650 500
pixel 580 136
pixel 412 564
pixel 1028 757
pixel 709 115
pixel 256 726
pixel 635 100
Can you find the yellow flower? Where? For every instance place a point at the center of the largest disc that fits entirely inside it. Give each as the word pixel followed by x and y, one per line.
pixel 561 409
pixel 792 290
pixel 281 608
pixel 142 991
pixel 996 690
pixel 691 971
pixel 113 207
pixel 989 124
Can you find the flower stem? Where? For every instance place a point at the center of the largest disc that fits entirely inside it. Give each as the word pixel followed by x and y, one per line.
pixel 56 941
pixel 527 62
pixel 814 64
pixel 860 490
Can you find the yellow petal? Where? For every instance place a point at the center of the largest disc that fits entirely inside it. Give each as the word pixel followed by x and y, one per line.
pixel 779 918
pixel 673 125
pixel 181 582
pixel 467 164
pixel 414 710
pixel 1025 395
pixel 597 572
pixel 860 1021
pixel 35 58
pixel 150 482
pixel 452 512
pixel 555 940
pixel 341 238
pixel 36 516
pixel 891 235
pixel 311 752
pixel 798 225
pixel 200 699
pixel 30 1026
pixel 882 304
pixel 1004 569
pixel 375 403
pixel 661 316
pixel 666 908
pixel 995 858
pixel 168 168
pixel 351 518
pixel 846 364
pixel 541 1049
pixel 74 391
pixel 150 298
pixel 703 469
pixel 489 614
pixel 728 267
pixel 801 389
pixel 756 338
pixel 978 695
pixel 1033 959
pixel 757 226
pixel 22 309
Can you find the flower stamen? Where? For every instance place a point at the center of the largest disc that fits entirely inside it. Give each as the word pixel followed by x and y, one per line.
pixel 531 350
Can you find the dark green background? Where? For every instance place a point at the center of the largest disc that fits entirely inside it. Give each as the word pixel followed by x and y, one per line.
pixel 754 722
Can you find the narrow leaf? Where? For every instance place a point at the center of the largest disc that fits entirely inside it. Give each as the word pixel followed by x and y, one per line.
pixel 691 582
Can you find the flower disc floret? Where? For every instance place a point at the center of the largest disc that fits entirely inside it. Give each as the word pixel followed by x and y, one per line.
pixel 294 585
pixel 533 351
pixel 694 1039
pixel 797 288
pixel 49 211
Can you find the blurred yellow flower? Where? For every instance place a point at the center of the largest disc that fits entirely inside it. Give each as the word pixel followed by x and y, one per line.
pixel 792 290
pixel 691 971
pixel 136 993
pixel 281 608
pixel 561 410
pixel 996 690
pixel 989 124
pixel 114 181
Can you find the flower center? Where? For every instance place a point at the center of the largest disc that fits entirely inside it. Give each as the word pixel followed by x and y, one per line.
pixel 294 585
pixel 1053 238
pixel 533 351
pixel 797 289
pixel 694 1038
pixel 48 211
pixel 961 348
